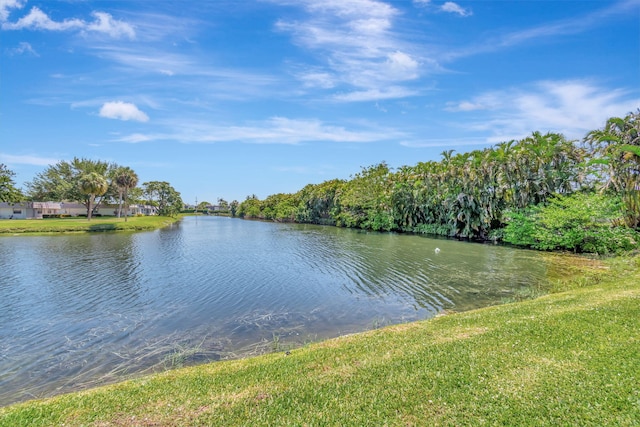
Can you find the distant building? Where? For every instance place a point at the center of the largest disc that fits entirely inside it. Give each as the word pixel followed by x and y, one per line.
pixel 39 210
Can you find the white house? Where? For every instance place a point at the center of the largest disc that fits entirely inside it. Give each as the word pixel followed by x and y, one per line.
pixel 21 210
pixel 39 210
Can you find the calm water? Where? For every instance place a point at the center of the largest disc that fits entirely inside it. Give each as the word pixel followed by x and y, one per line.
pixel 83 310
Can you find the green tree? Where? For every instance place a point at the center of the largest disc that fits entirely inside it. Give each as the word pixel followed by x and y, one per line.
pixel 365 200
pixel 162 195
pixel 319 203
pixel 203 206
pixel 8 191
pixel 250 208
pixel 617 156
pixel 233 207
pixel 579 222
pixel 61 182
pixel 92 184
pixel 279 207
pixel 125 179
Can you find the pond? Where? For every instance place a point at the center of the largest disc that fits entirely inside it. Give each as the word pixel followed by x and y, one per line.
pixel 81 310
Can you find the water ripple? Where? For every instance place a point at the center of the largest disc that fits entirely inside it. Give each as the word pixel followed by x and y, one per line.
pixel 81 310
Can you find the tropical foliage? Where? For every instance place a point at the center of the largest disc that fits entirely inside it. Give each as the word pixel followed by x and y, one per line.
pixel 62 181
pixel 125 179
pixel 477 194
pixel 92 184
pixel 163 196
pixel 83 181
pixel 8 190
pixel 617 149
pixel 579 222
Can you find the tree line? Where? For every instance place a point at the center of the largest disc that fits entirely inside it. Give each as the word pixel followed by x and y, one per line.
pixel 92 183
pixel 542 191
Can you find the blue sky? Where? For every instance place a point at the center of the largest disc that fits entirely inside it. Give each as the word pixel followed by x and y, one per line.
pixel 232 98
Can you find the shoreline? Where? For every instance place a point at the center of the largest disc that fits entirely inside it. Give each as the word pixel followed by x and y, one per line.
pixel 540 362
pixel 55 226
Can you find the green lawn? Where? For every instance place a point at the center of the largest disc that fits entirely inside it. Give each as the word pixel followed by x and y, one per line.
pixel 72 225
pixel 570 358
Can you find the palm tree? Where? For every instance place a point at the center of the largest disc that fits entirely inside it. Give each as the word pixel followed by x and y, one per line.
pixel 92 184
pixel 618 149
pixel 126 179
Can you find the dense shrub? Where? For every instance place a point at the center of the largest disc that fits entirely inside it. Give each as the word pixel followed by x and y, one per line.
pixel 580 222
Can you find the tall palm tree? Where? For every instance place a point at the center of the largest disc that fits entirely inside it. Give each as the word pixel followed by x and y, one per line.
pixel 618 149
pixel 125 179
pixel 92 184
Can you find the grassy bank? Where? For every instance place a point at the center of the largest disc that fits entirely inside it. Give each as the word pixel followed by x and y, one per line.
pixel 571 358
pixel 80 225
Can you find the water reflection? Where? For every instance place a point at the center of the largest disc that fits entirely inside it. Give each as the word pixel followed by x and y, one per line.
pixel 79 310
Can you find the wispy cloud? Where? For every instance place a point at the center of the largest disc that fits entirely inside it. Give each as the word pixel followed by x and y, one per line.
pixel 376 94
pixel 23 48
pixel 36 19
pixel 572 107
pixel 356 46
pixel 123 111
pixel 276 130
pixel 188 74
pixel 564 27
pixel 445 142
pixel 26 160
pixel 449 7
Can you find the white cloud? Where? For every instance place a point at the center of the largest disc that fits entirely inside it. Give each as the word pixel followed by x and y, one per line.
pixel 6 5
pixel 356 43
pixel 572 107
pixel 37 19
pixel 455 8
pixel 103 23
pixel 122 111
pixel 401 66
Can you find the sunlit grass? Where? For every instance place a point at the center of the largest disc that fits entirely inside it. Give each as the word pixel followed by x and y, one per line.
pixel 75 225
pixel 569 358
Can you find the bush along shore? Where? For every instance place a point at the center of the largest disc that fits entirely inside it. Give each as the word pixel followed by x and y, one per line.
pixel 568 358
pixel 543 192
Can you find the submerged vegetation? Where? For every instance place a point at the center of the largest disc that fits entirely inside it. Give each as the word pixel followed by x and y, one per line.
pixel 568 358
pixel 540 182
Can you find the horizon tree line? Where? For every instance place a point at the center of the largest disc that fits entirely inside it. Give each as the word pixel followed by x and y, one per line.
pixel 475 195
pixel 466 195
pixel 92 183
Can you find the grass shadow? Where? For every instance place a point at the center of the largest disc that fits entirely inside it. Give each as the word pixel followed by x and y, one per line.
pixel 102 227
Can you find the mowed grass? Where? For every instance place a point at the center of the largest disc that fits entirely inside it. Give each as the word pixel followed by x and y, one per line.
pixel 77 225
pixel 571 358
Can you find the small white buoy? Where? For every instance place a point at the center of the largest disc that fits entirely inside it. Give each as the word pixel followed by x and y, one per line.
pixel 437 250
